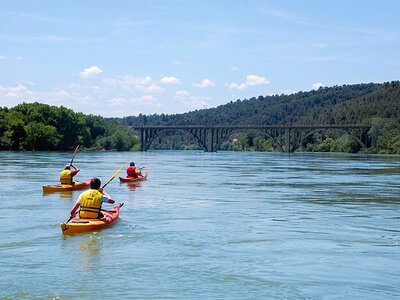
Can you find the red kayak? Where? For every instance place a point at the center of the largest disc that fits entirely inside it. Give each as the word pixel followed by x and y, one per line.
pixel 80 225
pixel 133 179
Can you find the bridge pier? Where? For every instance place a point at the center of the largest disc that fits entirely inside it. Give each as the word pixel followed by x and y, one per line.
pixel 210 140
pixel 287 140
pixel 142 138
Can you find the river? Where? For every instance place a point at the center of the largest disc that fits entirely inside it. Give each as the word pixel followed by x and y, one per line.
pixel 225 225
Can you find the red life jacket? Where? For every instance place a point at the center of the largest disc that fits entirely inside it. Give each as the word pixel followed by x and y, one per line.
pixel 132 171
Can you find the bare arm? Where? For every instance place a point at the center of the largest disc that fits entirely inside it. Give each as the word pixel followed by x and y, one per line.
pixel 107 195
pixel 76 168
pixel 73 210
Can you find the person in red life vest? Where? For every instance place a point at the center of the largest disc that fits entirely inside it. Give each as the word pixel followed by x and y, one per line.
pixel 66 175
pixel 132 171
pixel 90 201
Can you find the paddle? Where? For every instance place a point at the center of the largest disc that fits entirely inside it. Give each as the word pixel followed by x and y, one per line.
pixel 114 176
pixel 140 170
pixel 109 180
pixel 76 149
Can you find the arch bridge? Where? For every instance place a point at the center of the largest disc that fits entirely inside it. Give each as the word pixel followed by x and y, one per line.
pixel 287 138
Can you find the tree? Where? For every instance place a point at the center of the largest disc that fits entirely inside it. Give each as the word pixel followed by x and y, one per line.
pixel 15 132
pixel 41 137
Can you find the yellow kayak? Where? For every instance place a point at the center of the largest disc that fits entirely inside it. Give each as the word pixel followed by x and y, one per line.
pixel 67 187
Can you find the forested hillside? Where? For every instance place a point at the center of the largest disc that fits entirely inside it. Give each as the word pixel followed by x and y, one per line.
pixel 36 126
pixel 381 109
pixel 375 104
pixel 267 110
pixel 383 103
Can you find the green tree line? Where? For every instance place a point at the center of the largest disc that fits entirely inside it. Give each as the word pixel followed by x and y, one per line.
pixel 36 126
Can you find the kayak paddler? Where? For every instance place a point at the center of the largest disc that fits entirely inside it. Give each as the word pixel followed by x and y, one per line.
pixel 66 175
pixel 132 172
pixel 90 201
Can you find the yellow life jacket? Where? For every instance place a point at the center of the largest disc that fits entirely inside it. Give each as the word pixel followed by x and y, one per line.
pixel 90 204
pixel 65 177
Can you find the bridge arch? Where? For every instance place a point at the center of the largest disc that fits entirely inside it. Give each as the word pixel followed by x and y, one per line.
pixel 311 132
pixel 149 135
pixel 264 132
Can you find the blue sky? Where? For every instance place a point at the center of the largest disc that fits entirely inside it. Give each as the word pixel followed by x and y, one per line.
pixel 120 58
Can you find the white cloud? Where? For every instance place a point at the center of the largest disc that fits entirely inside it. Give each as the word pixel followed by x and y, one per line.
pixel 94 88
pixel 317 85
pixel 117 101
pixel 287 92
pixel 19 57
pixel 239 87
pixel 182 93
pixel 91 72
pixel 204 83
pixel 170 80
pixel 12 96
pixel 198 102
pixel 127 88
pixel 144 100
pixel 251 80
pixel 151 89
pixel 22 82
pixel 256 80
pixel 2 57
pixel 234 69
pixel 192 102
pixel 128 80
pixel 14 92
pixel 74 86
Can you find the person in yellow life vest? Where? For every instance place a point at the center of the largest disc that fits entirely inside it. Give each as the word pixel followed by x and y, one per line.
pixel 66 175
pixel 90 201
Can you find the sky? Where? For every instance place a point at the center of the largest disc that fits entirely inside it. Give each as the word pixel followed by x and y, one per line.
pixel 129 57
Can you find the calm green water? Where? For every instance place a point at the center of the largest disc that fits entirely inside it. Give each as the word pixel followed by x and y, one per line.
pixel 206 226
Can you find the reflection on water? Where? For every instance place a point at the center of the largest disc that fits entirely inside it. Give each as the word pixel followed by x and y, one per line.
pixel 89 255
pixel 132 186
pixel 64 195
pixel 225 225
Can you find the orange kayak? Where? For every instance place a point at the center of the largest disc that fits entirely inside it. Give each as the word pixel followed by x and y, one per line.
pixel 67 187
pixel 133 179
pixel 81 225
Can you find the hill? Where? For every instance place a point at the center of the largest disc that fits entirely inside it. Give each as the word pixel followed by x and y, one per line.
pixel 376 104
pixel 266 110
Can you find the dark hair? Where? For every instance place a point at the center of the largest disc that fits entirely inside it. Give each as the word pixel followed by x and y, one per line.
pixel 95 183
pixel 132 164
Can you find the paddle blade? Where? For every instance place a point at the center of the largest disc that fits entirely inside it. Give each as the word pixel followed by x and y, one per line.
pixel 76 149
